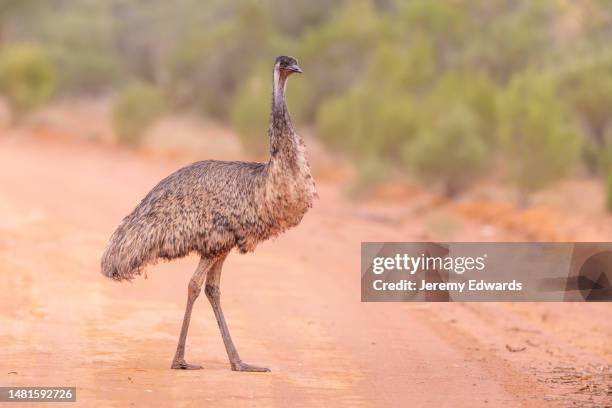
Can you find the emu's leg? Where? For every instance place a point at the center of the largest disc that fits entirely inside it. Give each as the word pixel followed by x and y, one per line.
pixel 193 291
pixel 213 294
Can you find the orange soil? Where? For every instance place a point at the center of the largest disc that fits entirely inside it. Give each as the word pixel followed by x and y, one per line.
pixel 293 306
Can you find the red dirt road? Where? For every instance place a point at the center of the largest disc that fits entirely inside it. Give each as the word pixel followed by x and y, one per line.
pixel 293 306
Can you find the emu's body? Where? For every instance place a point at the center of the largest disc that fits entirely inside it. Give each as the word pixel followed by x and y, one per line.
pixel 211 207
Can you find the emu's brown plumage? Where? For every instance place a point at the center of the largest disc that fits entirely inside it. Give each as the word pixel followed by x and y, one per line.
pixel 211 207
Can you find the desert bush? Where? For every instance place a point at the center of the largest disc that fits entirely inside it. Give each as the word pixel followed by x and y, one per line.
pixel 588 91
pixel 609 191
pixel 336 54
pixel 79 39
pixel 368 123
pixel 293 17
pixel 136 108
pixel 517 35
pixel 608 181
pixel 451 150
pixel 27 78
pixel 605 170
pixel 380 118
pixel 537 135
pixel 85 71
pixel 208 68
pixel 380 114
pixel 474 90
pixel 456 139
pixel 250 111
pixel 396 67
pixel 444 20
pixel 590 95
pixel 446 25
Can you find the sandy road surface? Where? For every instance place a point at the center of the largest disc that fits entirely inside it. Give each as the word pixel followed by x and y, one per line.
pixel 294 306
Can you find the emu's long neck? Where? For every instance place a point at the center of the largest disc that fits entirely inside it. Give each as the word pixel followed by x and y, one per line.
pixel 284 143
pixel 288 174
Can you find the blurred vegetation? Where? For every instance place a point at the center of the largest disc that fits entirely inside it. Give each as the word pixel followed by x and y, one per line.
pixel 609 191
pixel 451 151
pixel 27 77
pixel 209 65
pixel 441 223
pixel 588 93
pixel 137 107
pixel 436 89
pixel 537 135
pixel 249 115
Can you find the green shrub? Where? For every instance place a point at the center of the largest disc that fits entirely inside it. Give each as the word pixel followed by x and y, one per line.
pixel 400 69
pixel 448 26
pixel 368 123
pixel 590 95
pixel 250 111
pixel 292 18
pixel 518 35
pixel 475 91
pixel 588 92
pixel 537 135
pixel 136 108
pixel 27 78
pixel 378 119
pixel 336 54
pixel 81 42
pixel 451 150
pixel 609 191
pixel 208 68
pixel 379 115
pixel 605 162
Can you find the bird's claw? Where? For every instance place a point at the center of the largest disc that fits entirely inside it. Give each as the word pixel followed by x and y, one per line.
pixel 183 365
pixel 250 368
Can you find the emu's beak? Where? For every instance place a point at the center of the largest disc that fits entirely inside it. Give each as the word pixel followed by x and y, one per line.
pixel 295 68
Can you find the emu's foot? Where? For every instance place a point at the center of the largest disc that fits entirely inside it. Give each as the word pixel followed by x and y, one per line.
pixel 182 365
pixel 247 367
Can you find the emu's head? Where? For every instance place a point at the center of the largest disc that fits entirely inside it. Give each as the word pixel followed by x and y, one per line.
pixel 286 66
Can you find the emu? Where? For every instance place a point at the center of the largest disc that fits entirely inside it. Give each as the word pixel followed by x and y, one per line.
pixel 211 207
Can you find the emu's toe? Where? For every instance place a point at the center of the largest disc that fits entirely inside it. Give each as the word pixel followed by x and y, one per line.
pixel 247 367
pixel 182 365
